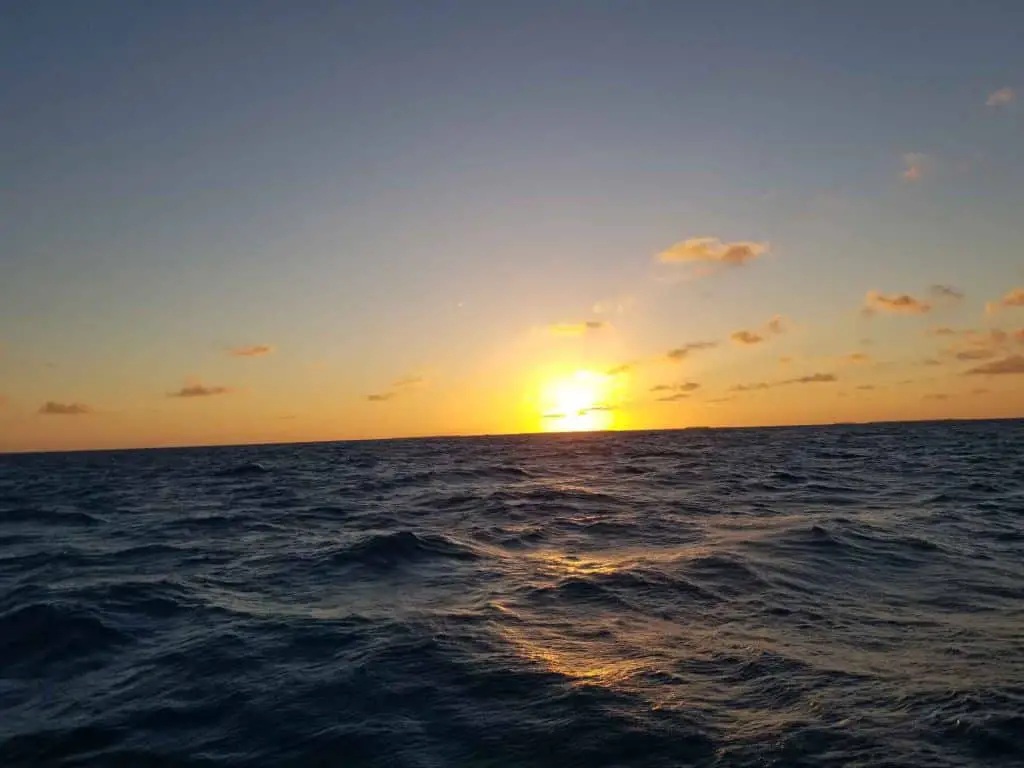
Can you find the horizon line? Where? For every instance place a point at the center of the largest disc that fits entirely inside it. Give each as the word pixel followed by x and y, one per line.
pixel 481 435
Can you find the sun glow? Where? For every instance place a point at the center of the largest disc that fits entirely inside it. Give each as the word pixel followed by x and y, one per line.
pixel 580 402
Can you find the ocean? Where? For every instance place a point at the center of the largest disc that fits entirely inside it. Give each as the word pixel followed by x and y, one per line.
pixel 808 596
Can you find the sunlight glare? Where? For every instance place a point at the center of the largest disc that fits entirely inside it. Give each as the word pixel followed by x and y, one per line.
pixel 579 402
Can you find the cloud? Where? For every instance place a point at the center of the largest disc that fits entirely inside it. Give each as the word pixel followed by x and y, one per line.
pixel 681 353
pixel 257 350
pixel 711 249
pixel 673 398
pixel 814 378
pixel 746 338
pixel 1014 298
pixel 751 387
pixel 578 329
pixel 938 396
pixel 980 391
pixel 897 304
pixel 858 357
pixel 1008 365
pixel 914 163
pixel 618 370
pixel 931 361
pixel 866 387
pixel 946 292
pixel 399 387
pixel 199 390
pixel 1000 98
pixel 1018 335
pixel 778 325
pixel 51 408
pixel 976 354
pixel 688 386
pixel 944 331
pixel 785 360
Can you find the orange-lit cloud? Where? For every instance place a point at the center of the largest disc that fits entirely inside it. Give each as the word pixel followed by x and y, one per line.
pixel 981 353
pixel 776 326
pixel 681 353
pixel 751 387
pixel 931 361
pixel 257 350
pixel 914 166
pixel 578 329
pixel 199 390
pixel 711 249
pixel 944 331
pixel 1008 365
pixel 618 370
pixel 51 408
pixel 1014 298
pixel 380 397
pixel 897 304
pixel 866 387
pixel 936 396
pixel 1000 98
pixel 858 358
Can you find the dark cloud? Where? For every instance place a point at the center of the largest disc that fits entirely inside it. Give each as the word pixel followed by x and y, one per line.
pixel 946 292
pixel 1008 365
pixel 931 361
pixel 51 408
pixel 688 386
pixel 746 338
pixel 751 387
pixel 681 353
pixel 199 390
pixel 380 397
pixel 673 398
pixel 814 378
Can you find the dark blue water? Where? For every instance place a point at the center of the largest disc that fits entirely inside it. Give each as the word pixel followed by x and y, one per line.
pixel 840 596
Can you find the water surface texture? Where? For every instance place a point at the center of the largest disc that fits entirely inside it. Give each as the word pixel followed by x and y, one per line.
pixel 835 596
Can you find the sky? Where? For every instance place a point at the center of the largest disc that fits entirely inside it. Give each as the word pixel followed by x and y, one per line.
pixel 260 221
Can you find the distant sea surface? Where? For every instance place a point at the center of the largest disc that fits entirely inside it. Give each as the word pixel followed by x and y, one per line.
pixel 834 596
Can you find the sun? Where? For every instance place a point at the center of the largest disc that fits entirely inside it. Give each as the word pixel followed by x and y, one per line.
pixel 579 402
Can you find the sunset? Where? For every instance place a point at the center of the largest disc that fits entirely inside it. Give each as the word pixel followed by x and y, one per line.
pixel 511 384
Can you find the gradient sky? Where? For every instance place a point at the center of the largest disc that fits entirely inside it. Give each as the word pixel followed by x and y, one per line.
pixel 279 210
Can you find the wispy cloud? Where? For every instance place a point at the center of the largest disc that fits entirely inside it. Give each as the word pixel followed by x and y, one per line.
pixel 1014 298
pixel 814 378
pixel 936 396
pixel 756 386
pixel 778 325
pixel 673 398
pixel 896 303
pixel 914 166
pixel 858 358
pixel 578 329
pixel 200 390
pixel 1000 98
pixel 620 369
pixel 52 408
pixel 713 250
pixel 943 331
pixel 930 361
pixel 683 352
pixel 866 387
pixel 946 292
pixel 399 387
pixel 1008 365
pixel 981 353
pixel 257 350
pixel 689 386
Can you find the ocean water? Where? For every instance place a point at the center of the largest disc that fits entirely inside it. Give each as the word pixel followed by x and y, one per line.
pixel 834 596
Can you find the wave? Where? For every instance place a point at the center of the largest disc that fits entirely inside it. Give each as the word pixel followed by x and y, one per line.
pixel 401 547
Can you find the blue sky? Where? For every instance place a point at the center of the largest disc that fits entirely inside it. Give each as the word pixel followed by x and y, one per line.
pixel 377 188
